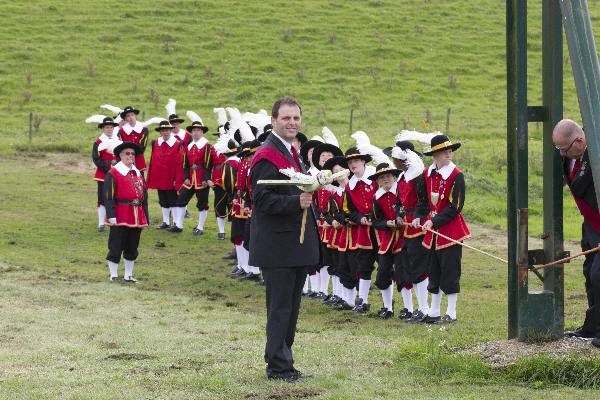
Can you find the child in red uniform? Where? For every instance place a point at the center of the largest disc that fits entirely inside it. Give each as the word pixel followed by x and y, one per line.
pixel 133 131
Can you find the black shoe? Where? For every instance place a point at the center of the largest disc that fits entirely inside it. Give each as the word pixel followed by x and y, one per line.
pixel 162 226
pixel 187 214
pixel 417 317
pixel 307 294
pixel 314 295
pixel 596 341
pixel 448 319
pixel 237 274
pixel 384 313
pixel 174 229
pixel 431 320
pixel 362 308
pixel 250 277
pixel 235 271
pixel 405 314
pixel 130 279
pixel 289 377
pixel 580 333
pixel 220 236
pixel 344 306
pixel 230 256
pixel 115 279
pixel 260 282
pixel 197 232
pixel 101 228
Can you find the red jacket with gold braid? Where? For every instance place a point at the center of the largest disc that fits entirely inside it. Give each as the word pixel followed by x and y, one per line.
pixel 125 197
pixel 164 161
pixel 138 135
pixel 103 159
pixel 198 162
pixel 384 209
pixel 322 202
pixel 358 203
pixel 412 196
pixel 217 171
pixel 337 238
pixel 183 136
pixel 237 208
pixel 446 193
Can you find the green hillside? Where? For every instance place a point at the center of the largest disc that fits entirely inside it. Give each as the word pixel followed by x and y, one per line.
pixel 396 63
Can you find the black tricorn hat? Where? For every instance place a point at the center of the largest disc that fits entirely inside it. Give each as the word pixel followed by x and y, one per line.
pixel 301 138
pixel 164 125
pixel 249 148
pixel 107 121
pixel 263 136
pixel 337 160
pixel 322 148
pixel 174 118
pixel 353 153
pixel 196 124
pixel 128 110
pixel 402 145
pixel 441 143
pixel 268 128
pixel 309 144
pixel 127 145
pixel 382 169
pixel 232 148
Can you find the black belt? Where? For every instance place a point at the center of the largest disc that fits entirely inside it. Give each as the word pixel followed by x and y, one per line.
pixel 135 202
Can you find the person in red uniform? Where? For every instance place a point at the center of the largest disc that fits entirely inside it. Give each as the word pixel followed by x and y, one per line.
pixel 358 205
pixel 133 131
pixel 253 272
pixel 164 161
pixel 198 162
pixel 388 233
pixel 220 196
pixel 411 265
pixel 104 159
pixel 229 176
pixel 446 194
pixel 126 201
pixel 239 215
pixel 180 134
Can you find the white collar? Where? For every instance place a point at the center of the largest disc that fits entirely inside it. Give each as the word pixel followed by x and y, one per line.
pixel 104 138
pixel 339 190
pixel 170 142
pixel 199 144
pixel 233 158
pixel 138 127
pixel 444 171
pixel 181 134
pixel 369 170
pixel 124 170
pixel 380 192
pixel 287 145
pixel 313 171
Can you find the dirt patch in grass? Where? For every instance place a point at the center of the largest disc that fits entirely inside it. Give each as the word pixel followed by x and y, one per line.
pixel 504 353
pixel 74 162
pixel 285 393
pixel 130 356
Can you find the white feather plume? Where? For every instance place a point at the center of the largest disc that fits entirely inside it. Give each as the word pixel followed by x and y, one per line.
pixel 375 152
pixel 262 111
pixel 221 115
pixel 238 123
pixel 95 119
pixel 194 117
pixel 110 144
pixel 361 138
pixel 113 109
pixel 152 121
pixel 222 144
pixel 416 136
pixel 329 137
pixel 317 137
pixel 170 107
pixel 234 113
pixel 258 121
pixel 412 160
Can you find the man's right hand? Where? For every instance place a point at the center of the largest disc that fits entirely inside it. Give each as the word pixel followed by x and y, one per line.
pixel 305 200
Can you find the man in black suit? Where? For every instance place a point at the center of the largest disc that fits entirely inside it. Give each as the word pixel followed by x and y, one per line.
pixel 275 232
pixel 569 140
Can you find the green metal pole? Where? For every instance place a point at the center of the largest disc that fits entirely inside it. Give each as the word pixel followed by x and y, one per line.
pixel 552 77
pixel 586 70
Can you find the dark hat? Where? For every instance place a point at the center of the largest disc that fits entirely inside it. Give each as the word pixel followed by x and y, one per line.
pixel 128 110
pixel 249 148
pixel 107 121
pixel 332 162
pixel 232 148
pixel 403 145
pixel 196 124
pixel 309 144
pixel 322 148
pixel 441 143
pixel 382 169
pixel 163 125
pixel 127 145
pixel 301 138
pixel 218 132
pixel 263 136
pixel 353 153
pixel 173 118
pixel 253 129
pixel 268 128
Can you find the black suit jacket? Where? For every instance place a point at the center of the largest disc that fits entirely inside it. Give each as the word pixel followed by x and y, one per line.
pixel 277 218
pixel 582 185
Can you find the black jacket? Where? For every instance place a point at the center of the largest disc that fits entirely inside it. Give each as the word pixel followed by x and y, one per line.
pixel 582 185
pixel 277 218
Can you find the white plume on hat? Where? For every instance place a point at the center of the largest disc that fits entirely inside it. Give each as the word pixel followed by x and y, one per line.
pixel 152 121
pixel 361 138
pixel 95 119
pixel 110 144
pixel 329 137
pixel 264 112
pixel 364 146
pixel 170 107
pixel 114 109
pixel 221 115
pixel 222 144
pixel 238 123
pixel 418 136
pixel 194 117
pixel 259 121
pixel 411 159
pixel 318 138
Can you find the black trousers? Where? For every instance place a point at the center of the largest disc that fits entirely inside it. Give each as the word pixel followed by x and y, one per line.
pixel 221 202
pixel 385 270
pixel 444 269
pixel 283 294
pixel 167 198
pixel 591 271
pixel 123 240
pixel 362 263
pixel 100 189
pixel 412 263
pixel 185 195
pixel 246 235
pixel 344 271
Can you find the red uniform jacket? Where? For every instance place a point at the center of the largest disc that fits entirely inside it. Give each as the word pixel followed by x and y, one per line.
pixel 217 171
pixel 198 163
pixel 164 162
pixel 237 209
pixel 138 135
pixel 337 238
pixel 414 204
pixel 358 203
pixel 384 209
pixel 125 197
pixel 183 136
pixel 229 175
pixel 449 184
pixel 103 159
pixel 322 197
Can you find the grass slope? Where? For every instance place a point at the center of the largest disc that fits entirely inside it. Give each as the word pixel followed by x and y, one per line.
pixel 396 63
pixel 189 332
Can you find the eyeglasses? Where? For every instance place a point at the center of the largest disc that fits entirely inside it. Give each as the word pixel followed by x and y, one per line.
pixel 568 148
pixel 130 153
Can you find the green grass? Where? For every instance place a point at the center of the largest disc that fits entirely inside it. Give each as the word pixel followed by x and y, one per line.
pixel 393 62
pixel 187 331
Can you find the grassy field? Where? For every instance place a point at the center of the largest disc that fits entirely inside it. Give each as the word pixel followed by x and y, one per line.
pixel 395 63
pixel 187 331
